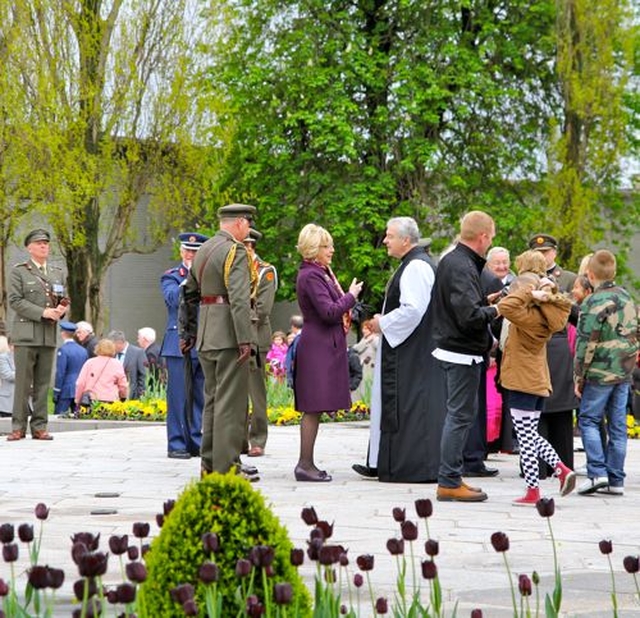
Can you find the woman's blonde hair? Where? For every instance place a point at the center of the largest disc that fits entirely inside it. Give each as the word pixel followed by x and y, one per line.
pixel 311 238
pixel 531 262
pixel 4 344
pixel 105 347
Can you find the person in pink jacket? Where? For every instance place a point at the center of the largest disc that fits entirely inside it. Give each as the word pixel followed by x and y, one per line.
pixel 103 376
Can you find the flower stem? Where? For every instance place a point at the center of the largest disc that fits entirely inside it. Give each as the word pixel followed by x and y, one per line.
pixel 614 596
pixel 513 593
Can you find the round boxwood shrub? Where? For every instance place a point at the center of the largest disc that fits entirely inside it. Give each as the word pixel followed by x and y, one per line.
pixel 228 506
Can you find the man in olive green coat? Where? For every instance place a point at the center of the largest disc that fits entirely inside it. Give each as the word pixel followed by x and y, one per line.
pixel 220 283
pixel 38 298
pixel 265 294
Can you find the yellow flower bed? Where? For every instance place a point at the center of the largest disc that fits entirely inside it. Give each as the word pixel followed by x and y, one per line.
pixel 633 429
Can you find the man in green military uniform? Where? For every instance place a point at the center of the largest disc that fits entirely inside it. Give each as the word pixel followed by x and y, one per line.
pixel 265 294
pixel 219 285
pixel 38 299
pixel 548 246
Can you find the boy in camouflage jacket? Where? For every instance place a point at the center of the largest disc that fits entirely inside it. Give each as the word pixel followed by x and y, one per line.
pixel 606 351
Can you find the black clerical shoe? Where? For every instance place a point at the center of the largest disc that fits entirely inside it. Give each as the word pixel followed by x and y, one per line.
pixel 179 454
pixel 366 471
pixel 484 471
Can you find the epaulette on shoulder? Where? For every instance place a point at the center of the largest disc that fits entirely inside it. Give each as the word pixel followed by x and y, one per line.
pixel 26 264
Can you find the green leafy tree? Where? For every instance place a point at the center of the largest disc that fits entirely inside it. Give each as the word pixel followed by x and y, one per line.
pixel 347 113
pixel 597 47
pixel 109 91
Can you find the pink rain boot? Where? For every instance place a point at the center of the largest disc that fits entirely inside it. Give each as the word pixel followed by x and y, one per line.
pixel 567 478
pixel 529 499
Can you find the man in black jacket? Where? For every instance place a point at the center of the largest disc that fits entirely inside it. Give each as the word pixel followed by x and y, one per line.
pixel 461 317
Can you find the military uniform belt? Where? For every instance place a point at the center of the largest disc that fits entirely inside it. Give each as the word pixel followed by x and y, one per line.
pixel 215 299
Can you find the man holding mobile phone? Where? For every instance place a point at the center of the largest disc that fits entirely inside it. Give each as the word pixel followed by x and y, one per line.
pixel 37 297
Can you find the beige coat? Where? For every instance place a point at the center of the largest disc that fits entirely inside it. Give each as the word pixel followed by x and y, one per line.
pixel 524 365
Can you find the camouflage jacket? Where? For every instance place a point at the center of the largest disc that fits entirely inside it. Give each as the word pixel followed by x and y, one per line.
pixel 607 341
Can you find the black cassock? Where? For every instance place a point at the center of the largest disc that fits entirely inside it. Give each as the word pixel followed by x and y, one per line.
pixel 413 398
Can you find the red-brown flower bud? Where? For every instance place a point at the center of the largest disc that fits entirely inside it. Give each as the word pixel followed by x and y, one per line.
pixel 631 564
pixel 7 533
pixel 296 557
pixel 243 567
pixel 92 541
pixel 126 593
pixel 606 546
pixel 136 572
pixel 365 562
pixel 209 572
pixel 182 593
pixel 358 580
pixel 25 533
pixel 395 546
pixel 41 511
pixel 424 508
pixel 118 545
pixel 409 530
pixel 500 541
pixel 429 569
pixel 399 514
pixel 431 547
pixel 10 552
pixel 309 516
pixel 38 577
pixel 382 606
pixel 210 542
pixel 283 593
pixel 141 529
pixel 524 585
pixel 546 507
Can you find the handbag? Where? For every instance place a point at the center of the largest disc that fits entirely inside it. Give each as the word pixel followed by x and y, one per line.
pixel 86 400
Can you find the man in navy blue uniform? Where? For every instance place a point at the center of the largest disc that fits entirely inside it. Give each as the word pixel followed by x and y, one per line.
pixel 69 360
pixel 184 418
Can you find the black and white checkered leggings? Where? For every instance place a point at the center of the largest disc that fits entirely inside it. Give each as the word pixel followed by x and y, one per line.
pixel 532 445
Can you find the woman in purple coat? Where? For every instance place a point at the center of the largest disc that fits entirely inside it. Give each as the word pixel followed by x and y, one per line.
pixel 321 380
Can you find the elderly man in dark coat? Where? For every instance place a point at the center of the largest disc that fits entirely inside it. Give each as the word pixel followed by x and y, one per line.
pixel 407 408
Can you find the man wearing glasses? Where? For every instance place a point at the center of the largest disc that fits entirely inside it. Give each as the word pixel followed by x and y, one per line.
pixel 219 285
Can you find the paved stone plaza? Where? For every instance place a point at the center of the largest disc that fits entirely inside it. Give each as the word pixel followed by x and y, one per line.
pixel 130 460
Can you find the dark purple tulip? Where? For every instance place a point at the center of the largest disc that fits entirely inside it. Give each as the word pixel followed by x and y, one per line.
pixel 431 547
pixel 141 529
pixel 144 549
pixel 358 580
pixel 243 567
pixel 331 554
pixel 208 572
pixel 261 555
pixel 56 578
pixel 93 564
pixel 344 559
pixel 7 533
pixel 190 608
pixel 409 530
pixel 399 514
pixel 395 546
pixel 269 571
pixel 133 553
pixel 254 607
pixel 182 593
pixel 316 534
pixel 327 529
pixel 381 606
pixel 167 507
pixel 136 572
pixel 78 551
pixel 25 533
pixel 296 557
pixel 39 577
pixel 42 512
pixel 309 516
pixel 79 585
pixel 429 569
pixel 314 548
pixel 4 588
pixel 631 564
pixel 10 552
pixel 159 520
pixel 126 593
pixel 476 613
pixel 283 593
pixel 524 585
pixel 92 541
pixel 365 562
pixel 210 542
pixel 112 597
pixel 606 547
pixel 119 544
pixel 500 541
pixel 546 507
pixel 424 508
pixel 343 610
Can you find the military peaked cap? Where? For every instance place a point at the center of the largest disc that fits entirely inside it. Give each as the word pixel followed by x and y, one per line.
pixel 36 236
pixel 237 210
pixel 191 240
pixel 543 241
pixel 253 236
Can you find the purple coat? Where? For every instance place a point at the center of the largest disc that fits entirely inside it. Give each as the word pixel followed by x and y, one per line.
pixel 322 369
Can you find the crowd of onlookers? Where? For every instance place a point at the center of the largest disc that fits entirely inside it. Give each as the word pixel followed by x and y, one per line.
pixel 88 369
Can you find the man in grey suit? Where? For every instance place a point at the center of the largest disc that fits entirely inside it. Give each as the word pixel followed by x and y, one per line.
pixel 37 296
pixel 133 360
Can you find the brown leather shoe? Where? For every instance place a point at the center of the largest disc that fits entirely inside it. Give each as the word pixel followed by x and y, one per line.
pixel 16 434
pixel 459 494
pixel 43 434
pixel 476 489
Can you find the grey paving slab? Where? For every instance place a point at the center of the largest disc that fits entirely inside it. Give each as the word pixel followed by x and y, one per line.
pixel 69 473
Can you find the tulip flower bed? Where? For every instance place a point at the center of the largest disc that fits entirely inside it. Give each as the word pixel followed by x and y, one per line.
pixel 342 586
